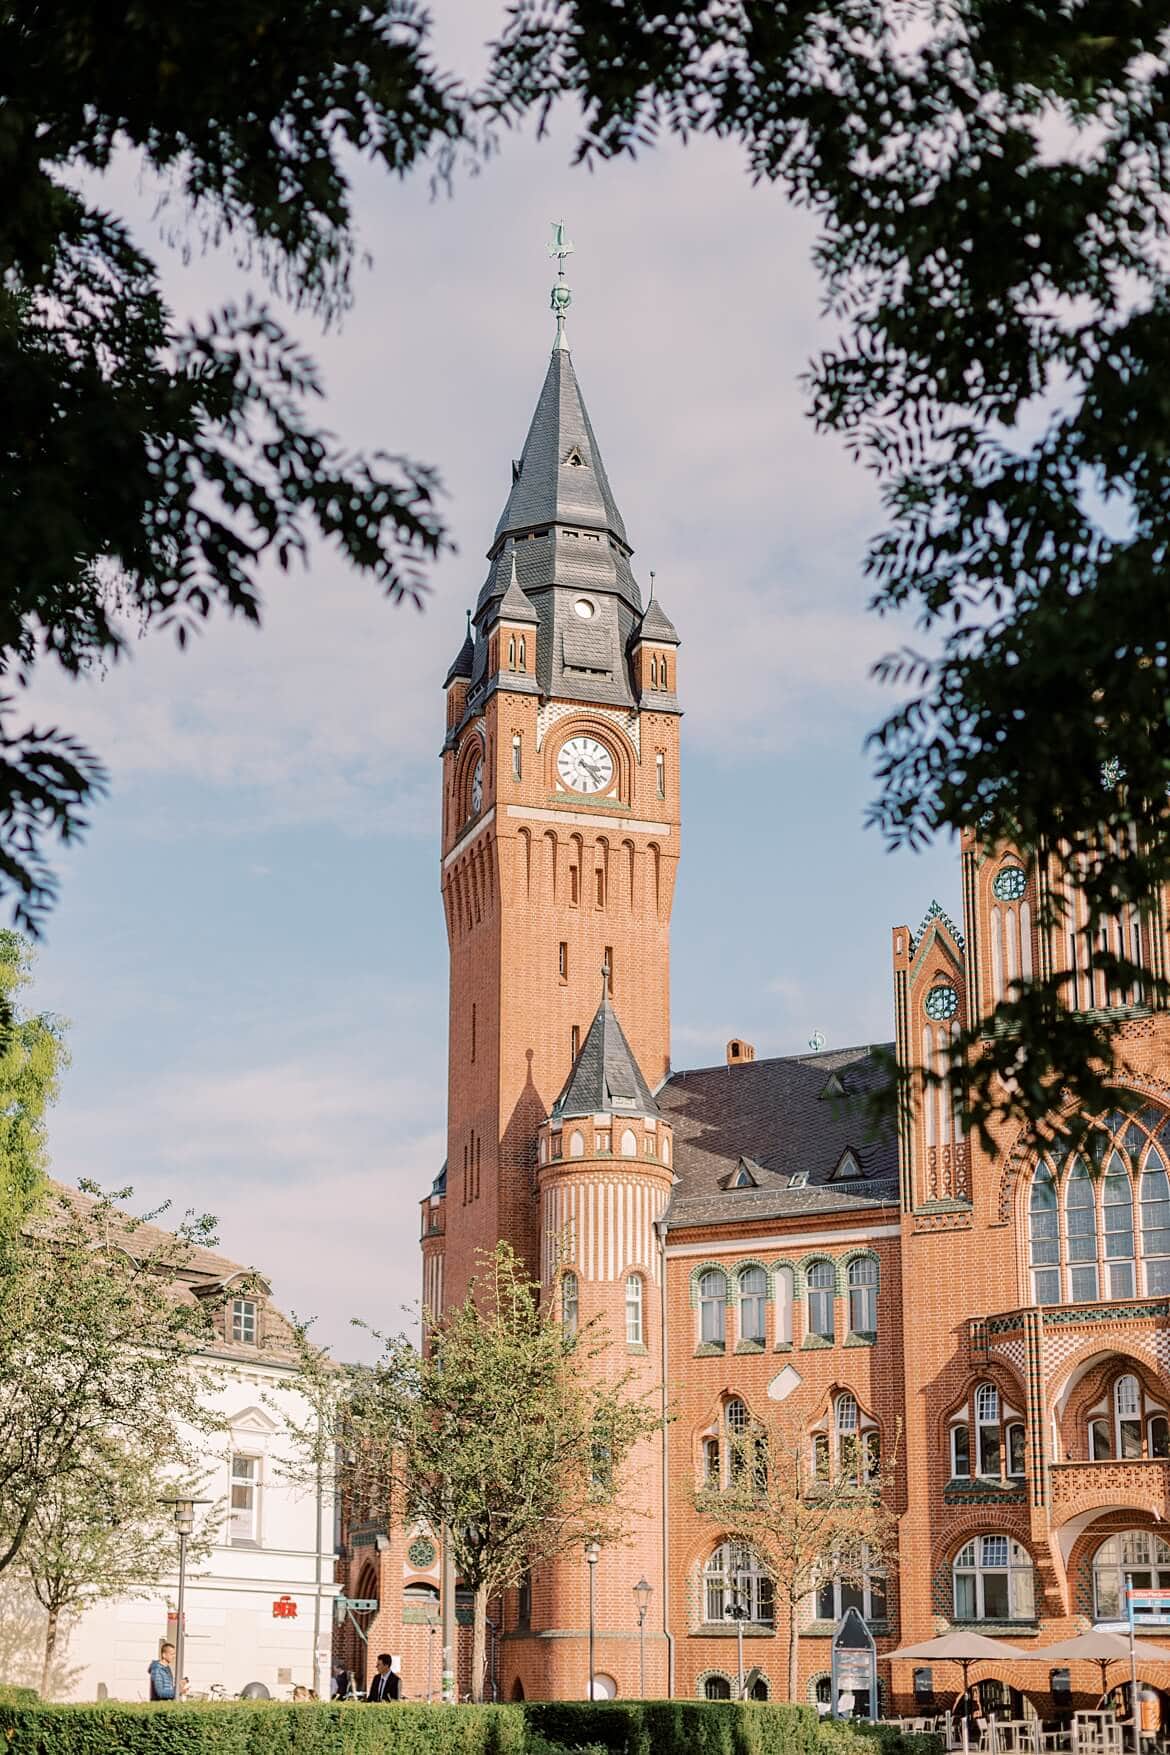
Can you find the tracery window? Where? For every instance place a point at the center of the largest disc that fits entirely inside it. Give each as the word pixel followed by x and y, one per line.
pixel 993 1580
pixel 1130 1560
pixel 734 1579
pixel 989 1434
pixel 848 1444
pixel 865 1591
pixel 1128 1424
pixel 1099 1217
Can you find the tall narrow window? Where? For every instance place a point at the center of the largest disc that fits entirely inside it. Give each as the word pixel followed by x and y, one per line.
pixel 753 1300
pixel 738 1423
pixel 660 774
pixel 600 880
pixel 570 1306
pixel 1080 1220
pixel 712 1307
pixel 473 1031
pixel 563 960
pixel 961 1451
pixel 517 755
pixel 523 653
pixel 574 885
pixel 244 1526
pixel 712 1452
pixel 654 673
pixel 821 1280
pixel 782 1281
pixel 512 653
pixel 1044 1228
pixel 634 1330
pixel 1155 1205
pixel 608 961
pixel 863 1283
pixel 1015 1450
pixel 987 1429
pixel 1127 1402
pixel 575 1041
pixel 1117 1217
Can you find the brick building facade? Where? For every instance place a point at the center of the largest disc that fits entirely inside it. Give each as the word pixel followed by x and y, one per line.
pixel 998 1317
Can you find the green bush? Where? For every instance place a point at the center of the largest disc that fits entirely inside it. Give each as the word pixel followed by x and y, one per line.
pixel 16 1696
pixel 892 1740
pixel 664 1727
pixel 261 1727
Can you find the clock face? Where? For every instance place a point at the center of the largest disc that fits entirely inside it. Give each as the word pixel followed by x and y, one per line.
pixel 477 788
pixel 585 765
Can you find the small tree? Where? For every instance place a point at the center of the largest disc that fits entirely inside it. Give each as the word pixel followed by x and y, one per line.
pixel 99 1534
pixel 804 1523
pixel 507 1432
pixel 96 1351
pixel 32 1058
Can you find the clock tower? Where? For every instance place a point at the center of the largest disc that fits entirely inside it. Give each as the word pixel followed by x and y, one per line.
pixel 560 821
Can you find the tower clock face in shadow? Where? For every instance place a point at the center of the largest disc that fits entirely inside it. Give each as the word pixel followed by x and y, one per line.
pixel 585 765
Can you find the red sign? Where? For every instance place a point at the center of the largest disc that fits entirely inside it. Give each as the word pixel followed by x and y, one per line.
pixel 284 1609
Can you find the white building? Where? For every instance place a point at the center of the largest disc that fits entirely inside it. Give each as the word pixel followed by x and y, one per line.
pixel 259 1606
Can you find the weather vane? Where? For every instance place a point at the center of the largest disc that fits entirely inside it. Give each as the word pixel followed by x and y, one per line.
pixel 561 298
pixel 816 1041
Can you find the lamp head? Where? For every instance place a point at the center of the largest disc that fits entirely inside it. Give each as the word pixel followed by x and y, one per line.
pixel 642 1592
pixel 593 1550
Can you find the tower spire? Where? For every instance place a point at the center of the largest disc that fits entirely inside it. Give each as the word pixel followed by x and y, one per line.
pixel 561 297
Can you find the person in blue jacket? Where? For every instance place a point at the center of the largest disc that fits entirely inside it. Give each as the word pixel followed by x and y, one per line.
pixel 162 1674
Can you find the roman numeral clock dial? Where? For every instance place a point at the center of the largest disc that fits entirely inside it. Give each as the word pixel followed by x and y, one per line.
pixel 584 765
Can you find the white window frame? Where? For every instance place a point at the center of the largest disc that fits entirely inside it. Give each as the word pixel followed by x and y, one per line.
pixel 758 1298
pixel 251 1481
pixel 244 1315
pixel 635 1303
pixel 977 1561
pixel 713 1304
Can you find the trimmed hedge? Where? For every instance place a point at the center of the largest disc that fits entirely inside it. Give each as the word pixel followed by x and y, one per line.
pixel 261 1727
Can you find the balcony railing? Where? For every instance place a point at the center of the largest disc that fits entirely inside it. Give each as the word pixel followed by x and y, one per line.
pixel 1142 1484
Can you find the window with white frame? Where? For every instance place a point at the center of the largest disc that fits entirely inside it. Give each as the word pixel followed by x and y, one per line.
pixel 821 1280
pixel 1099 1217
pixel 244 1521
pixel 782 1286
pixel 712 1307
pixel 993 1580
pixel 847 1444
pixel 1128 1424
pixel 989 1435
pixel 635 1335
pixel 736 1585
pixel 988 1447
pixel 753 1304
pixel 862 1588
pixel 570 1305
pixel 244 1321
pixel 1130 1560
pixel 863 1291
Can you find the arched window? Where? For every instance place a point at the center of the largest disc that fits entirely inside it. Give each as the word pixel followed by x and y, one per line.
pixel 1155 1205
pixel 517 755
pixel 753 1301
pixel 629 1143
pixel 1117 1223
pixel 654 673
pixel 716 1688
pixel 737 1587
pixel 1016 1450
pixel 712 1462
pixel 987 1429
pixel 1044 1231
pixel 570 1305
pixel 634 1330
pixel 523 653
pixel 712 1306
pixel 864 1590
pixel 1131 1560
pixel 576 1144
pixel 1127 1406
pixel 782 1281
pixel 846 1413
pixel 512 653
pixel 1080 1221
pixel 666 1148
pixel 822 1282
pixel 665 683
pixel 993 1580
pixel 863 1284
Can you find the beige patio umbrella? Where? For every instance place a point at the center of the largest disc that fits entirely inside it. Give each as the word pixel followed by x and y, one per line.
pixel 963 1648
pixel 1098 1646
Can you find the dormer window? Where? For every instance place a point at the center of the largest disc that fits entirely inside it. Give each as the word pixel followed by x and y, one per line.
pixel 847 1167
pixel 244 1321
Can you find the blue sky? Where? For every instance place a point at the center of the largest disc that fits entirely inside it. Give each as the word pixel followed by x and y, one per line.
pixel 249 944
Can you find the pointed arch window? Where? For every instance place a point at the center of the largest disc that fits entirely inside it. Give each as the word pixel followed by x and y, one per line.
pixel 1117 1224
pixel 712 1307
pixel 654 673
pixel 1044 1235
pixel 523 653
pixel 517 755
pixel 512 652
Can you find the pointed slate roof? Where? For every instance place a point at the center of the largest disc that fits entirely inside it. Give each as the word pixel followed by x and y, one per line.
pixel 463 661
pixel 513 606
pixel 657 625
pixel 560 477
pixel 605 1077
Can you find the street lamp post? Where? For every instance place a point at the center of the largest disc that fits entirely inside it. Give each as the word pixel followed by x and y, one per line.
pixel 642 1597
pixel 592 1556
pixel 183 1509
pixel 737 1611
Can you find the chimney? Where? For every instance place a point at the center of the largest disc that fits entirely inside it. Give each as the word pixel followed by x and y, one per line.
pixel 738 1052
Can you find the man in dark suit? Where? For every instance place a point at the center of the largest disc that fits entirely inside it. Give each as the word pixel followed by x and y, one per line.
pixel 385 1685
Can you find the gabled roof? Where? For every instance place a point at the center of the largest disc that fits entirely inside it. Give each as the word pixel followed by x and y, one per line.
pixel 768 1114
pixel 462 662
pixel 560 477
pixel 605 1077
